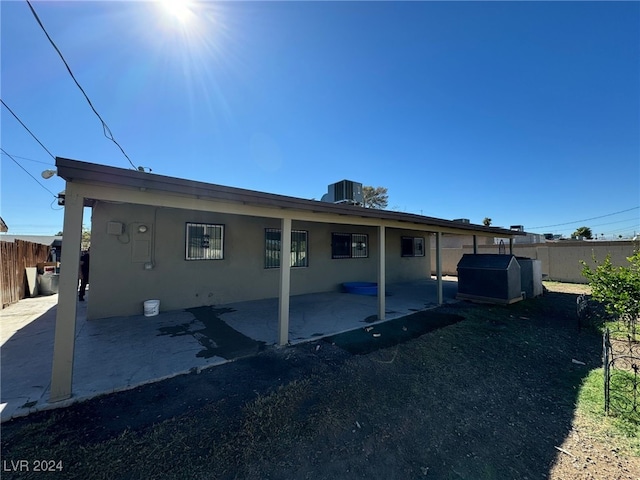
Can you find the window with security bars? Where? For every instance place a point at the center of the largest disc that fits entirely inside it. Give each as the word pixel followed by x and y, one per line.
pixel 412 246
pixel 349 245
pixel 204 241
pixel 272 247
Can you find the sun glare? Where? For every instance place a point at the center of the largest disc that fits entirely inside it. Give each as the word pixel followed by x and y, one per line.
pixel 188 41
pixel 179 10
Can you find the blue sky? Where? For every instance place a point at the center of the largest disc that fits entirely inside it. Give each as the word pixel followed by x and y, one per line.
pixel 527 113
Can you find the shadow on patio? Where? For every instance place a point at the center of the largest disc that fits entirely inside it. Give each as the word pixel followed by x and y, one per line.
pixel 120 353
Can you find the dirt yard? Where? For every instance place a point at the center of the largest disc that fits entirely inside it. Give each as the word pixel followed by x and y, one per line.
pixel 470 392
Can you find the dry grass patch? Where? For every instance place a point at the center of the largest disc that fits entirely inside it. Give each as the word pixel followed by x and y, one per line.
pixel 488 397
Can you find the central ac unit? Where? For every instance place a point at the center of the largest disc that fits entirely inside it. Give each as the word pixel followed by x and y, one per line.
pixel 345 191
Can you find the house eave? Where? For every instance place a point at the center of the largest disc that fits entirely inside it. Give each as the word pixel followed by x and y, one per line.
pixel 89 173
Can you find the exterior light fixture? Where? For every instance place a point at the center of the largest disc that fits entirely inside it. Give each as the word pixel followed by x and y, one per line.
pixel 48 174
pixel 142 229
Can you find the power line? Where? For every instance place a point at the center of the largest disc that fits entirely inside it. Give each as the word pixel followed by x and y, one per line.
pixel 586 219
pixel 55 200
pixel 628 231
pixel 628 220
pixel 633 220
pixel 105 129
pixel 34 160
pixel 17 163
pixel 25 127
pixel 633 228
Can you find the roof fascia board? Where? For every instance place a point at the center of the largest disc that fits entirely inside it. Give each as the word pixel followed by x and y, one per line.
pixel 268 205
pixel 169 200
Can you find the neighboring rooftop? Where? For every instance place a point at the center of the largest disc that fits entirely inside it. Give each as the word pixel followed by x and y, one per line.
pixel 49 240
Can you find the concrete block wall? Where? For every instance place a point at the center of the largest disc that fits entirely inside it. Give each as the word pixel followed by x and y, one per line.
pixel 560 260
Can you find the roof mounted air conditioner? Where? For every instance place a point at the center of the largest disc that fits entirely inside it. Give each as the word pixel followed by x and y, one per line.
pixel 345 191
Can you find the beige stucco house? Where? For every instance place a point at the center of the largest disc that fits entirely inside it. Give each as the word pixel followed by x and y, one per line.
pixel 191 243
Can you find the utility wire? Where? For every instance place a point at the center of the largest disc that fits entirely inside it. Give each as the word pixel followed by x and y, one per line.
pixel 635 228
pixel 586 219
pixel 632 220
pixel 105 129
pixel 34 160
pixel 628 220
pixel 3 151
pixel 25 127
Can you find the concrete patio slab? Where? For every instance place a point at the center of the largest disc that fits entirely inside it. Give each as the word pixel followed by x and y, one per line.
pixel 120 353
pixel 321 314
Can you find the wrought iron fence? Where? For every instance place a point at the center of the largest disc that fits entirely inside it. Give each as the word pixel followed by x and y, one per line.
pixel 621 362
pixel 593 315
pixel 582 302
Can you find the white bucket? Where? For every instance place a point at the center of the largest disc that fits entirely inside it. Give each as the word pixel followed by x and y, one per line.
pixel 151 308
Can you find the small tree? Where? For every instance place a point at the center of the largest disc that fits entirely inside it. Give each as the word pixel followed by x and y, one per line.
pixel 618 288
pixel 85 241
pixel 583 232
pixel 375 197
pixel 486 221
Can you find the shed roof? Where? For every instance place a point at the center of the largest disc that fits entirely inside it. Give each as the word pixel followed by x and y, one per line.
pixel 486 261
pixel 91 173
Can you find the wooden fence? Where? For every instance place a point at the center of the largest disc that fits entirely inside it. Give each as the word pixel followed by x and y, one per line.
pixel 14 259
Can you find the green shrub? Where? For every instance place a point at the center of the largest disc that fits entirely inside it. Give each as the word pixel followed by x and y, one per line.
pixel 617 288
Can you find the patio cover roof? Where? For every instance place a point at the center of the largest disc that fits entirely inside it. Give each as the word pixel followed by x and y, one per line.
pixel 87 183
pixel 299 208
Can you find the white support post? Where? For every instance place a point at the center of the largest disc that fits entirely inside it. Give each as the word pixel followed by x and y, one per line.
pixel 65 330
pixel 285 281
pixel 381 272
pixel 439 266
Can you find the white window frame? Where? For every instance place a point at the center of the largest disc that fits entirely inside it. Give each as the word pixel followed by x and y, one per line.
pixel 211 242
